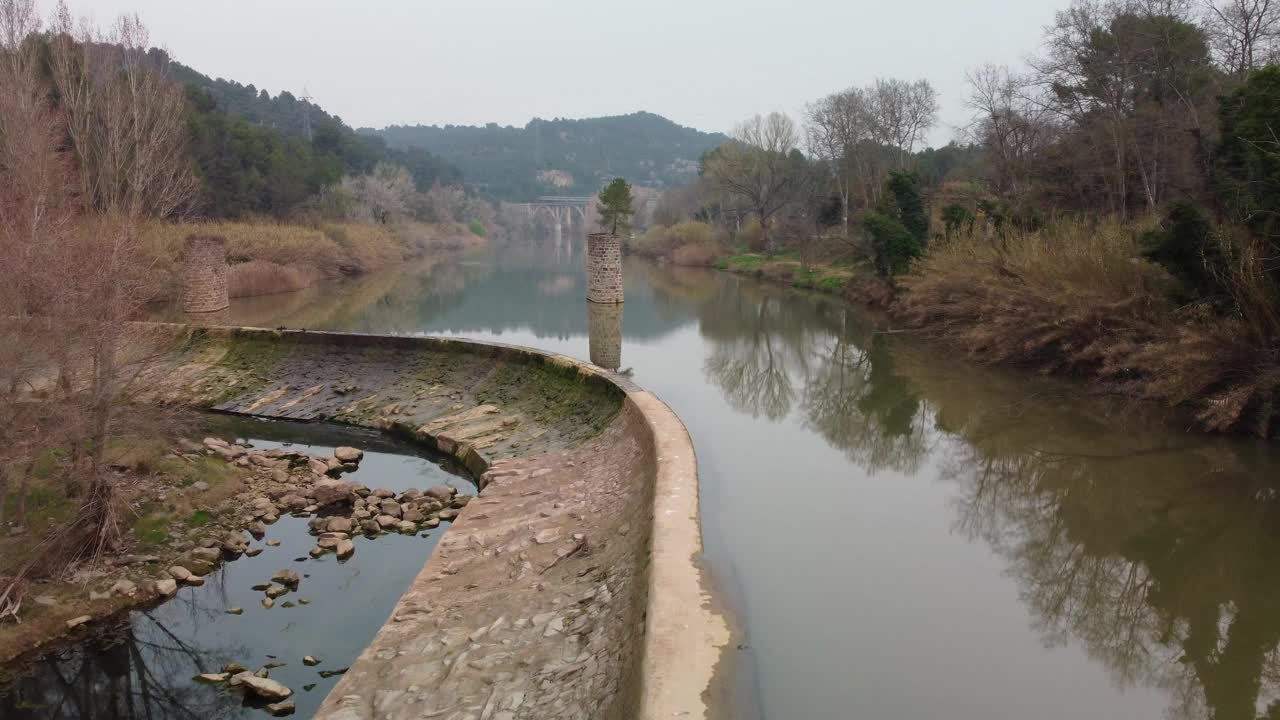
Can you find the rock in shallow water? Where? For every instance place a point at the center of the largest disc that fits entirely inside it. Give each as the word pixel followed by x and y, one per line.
pixel 348 454
pixel 265 688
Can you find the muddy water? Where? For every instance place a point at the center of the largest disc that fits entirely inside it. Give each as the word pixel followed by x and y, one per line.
pixel 142 664
pixel 904 535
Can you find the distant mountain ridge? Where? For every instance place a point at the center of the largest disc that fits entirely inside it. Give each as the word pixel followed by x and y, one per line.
pixel 562 156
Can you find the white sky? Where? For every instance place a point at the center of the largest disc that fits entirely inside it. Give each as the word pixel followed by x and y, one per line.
pixel 704 63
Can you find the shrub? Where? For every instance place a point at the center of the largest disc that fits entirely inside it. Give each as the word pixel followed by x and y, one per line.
pixel 1188 248
pixel 476 227
pixel 893 247
pixel 702 254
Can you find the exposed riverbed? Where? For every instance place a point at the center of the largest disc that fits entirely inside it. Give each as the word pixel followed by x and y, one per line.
pixel 902 534
pixel 142 664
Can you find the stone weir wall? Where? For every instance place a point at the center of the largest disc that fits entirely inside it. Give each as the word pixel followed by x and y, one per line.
pixel 569 588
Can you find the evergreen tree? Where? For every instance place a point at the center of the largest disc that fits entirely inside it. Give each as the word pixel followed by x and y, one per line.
pixel 615 206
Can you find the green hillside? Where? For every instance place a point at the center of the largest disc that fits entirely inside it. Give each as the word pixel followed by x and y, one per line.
pixel 572 157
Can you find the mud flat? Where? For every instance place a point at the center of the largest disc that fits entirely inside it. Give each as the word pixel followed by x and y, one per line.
pixel 568 588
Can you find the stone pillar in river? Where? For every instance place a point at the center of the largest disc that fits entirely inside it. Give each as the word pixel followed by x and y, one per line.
pixel 604 334
pixel 604 268
pixel 204 275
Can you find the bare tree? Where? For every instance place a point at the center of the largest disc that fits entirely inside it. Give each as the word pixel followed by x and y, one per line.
pixel 757 166
pixel 125 118
pixel 1245 33
pixel 385 195
pixel 1011 128
pixel 902 112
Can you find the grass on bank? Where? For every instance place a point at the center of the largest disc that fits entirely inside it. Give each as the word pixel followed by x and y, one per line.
pixel 269 257
pixel 1078 298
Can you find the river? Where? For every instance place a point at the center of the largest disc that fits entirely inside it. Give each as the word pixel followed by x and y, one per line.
pixel 899 533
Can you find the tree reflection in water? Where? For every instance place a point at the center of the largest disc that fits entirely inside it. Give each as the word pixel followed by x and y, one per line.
pixel 1156 551
pixel 134 668
pixel 1160 561
pixel 767 344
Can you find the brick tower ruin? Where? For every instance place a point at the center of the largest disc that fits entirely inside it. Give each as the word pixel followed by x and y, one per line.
pixel 204 274
pixel 604 268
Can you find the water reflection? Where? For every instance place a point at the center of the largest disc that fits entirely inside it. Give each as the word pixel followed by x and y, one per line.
pixel 604 334
pixel 1154 551
pixel 137 667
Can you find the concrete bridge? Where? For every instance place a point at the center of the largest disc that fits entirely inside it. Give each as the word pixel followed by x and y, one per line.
pixel 561 209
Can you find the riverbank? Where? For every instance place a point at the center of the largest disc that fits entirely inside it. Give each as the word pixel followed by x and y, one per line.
pixel 1076 299
pixel 269 257
pixel 189 505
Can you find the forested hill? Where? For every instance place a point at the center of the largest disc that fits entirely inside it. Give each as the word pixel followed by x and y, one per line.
pixel 254 154
pixel 573 157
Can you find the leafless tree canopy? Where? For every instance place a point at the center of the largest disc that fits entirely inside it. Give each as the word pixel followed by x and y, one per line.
pixel 77 181
pixel 757 165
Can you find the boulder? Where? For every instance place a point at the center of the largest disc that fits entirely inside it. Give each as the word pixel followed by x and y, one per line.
pixel 333 492
pixel 348 454
pixel 179 573
pixel 386 521
pixel 329 541
pixel 339 524
pixel 286 577
pixel 280 709
pixel 407 527
pixel 265 688
pixel 276 591
pixel 371 527
pixel 390 507
pixel 212 677
pixel 167 587
pixel 442 493
pixel 124 587
pixel 317 467
pixel 293 501
pixel 345 549
pixel 310 661
pixel 460 501
pixel 382 493
pixel 413 515
pixel 77 622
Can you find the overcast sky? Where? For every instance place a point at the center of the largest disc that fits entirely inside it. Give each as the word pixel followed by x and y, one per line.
pixel 704 63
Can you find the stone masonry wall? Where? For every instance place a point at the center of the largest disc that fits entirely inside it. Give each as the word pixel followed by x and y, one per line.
pixel 604 268
pixel 204 274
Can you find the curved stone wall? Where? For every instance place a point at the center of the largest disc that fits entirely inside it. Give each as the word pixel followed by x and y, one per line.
pixel 569 588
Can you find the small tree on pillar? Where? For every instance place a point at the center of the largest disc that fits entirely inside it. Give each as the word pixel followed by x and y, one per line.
pixel 615 206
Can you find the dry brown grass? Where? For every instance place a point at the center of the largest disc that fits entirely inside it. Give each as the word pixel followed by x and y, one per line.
pixel 263 277
pixel 270 257
pixel 688 243
pixel 1077 299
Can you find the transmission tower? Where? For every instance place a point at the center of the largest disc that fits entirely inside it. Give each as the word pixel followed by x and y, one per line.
pixel 306 111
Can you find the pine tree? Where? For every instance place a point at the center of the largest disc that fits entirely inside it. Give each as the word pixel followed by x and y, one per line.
pixel 615 206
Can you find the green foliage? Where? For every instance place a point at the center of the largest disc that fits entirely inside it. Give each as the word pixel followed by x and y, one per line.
pixel 893 245
pixel 908 205
pixel 509 163
pixel 251 169
pixel 956 218
pixel 615 206
pixel 476 227
pixel 151 527
pixel 199 518
pixel 831 284
pixel 1187 248
pixel 1247 167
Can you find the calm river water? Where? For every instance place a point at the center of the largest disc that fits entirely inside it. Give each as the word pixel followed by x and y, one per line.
pixel 903 535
